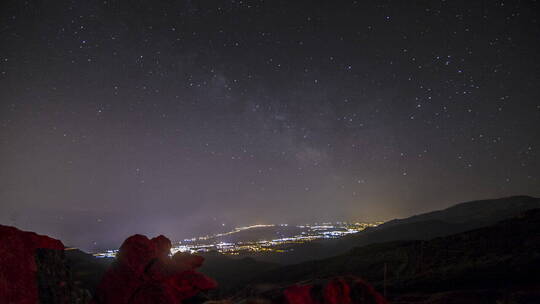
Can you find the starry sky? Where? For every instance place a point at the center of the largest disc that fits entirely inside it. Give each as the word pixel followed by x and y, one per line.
pixel 185 117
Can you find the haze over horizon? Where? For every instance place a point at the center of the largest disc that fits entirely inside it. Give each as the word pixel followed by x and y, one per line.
pixel 175 117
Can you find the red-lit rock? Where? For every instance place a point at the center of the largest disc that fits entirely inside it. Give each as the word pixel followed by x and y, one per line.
pixel 368 294
pixel 137 252
pixel 118 284
pixel 163 247
pixel 186 261
pixel 144 273
pixel 299 294
pixel 18 269
pixel 187 284
pixel 337 290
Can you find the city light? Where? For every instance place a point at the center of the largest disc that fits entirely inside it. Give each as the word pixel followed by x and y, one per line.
pixel 216 243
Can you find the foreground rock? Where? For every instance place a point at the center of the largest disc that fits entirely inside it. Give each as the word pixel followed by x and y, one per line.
pixel 144 273
pixel 33 270
pixel 335 290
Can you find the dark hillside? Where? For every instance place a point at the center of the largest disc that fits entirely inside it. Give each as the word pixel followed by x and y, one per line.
pixel 481 212
pixel 502 256
pixel 87 270
pixel 459 218
pixel 230 272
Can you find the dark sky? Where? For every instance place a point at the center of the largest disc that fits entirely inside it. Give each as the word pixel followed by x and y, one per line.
pixel 175 117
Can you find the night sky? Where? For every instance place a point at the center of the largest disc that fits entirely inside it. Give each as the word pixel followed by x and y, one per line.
pixel 179 117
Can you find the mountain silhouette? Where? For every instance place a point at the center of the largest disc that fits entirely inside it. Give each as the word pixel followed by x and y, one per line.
pixel 455 219
pixel 497 260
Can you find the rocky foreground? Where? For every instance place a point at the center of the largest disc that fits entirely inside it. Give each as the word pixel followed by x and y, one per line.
pixel 33 269
pixel 486 252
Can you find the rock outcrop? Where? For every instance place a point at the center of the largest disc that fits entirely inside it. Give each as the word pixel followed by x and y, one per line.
pixel 335 290
pixel 144 273
pixel 33 270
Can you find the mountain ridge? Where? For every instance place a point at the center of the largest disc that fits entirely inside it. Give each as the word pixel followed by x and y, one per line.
pixel 495 260
pixel 451 213
pixel 454 219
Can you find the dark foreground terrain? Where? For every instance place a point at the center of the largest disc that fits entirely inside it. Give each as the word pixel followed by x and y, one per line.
pixel 488 265
pixel 476 252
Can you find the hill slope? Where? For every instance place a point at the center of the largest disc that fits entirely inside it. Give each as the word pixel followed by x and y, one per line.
pixel 500 257
pixel 230 272
pixel 481 212
pixel 455 219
